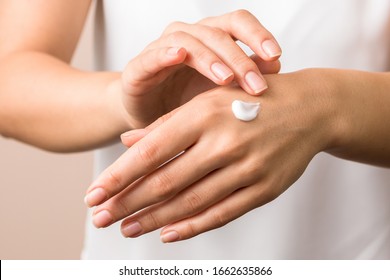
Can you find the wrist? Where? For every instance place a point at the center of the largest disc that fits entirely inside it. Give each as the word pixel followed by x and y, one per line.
pixel 115 104
pixel 330 87
pixel 326 113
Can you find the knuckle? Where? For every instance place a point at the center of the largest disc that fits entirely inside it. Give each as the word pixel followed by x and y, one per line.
pixel 121 207
pixel 191 229
pixel 252 170
pixel 161 186
pixel 228 149
pixel 239 14
pixel 243 62
pixel 152 220
pixel 114 178
pixel 177 37
pixel 272 189
pixel 202 55
pixel 163 119
pixel 174 26
pixel 148 153
pixel 218 34
pixel 192 202
pixel 220 217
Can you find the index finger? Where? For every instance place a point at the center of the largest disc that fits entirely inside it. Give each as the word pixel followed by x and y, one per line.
pixel 156 148
pixel 245 27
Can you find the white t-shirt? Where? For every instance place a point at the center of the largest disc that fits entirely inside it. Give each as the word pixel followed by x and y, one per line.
pixel 337 209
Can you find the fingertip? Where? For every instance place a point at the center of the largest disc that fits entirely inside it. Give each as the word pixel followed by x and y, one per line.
pixel 223 73
pixel 129 138
pixel 95 197
pixel 170 236
pixel 260 92
pixel 177 52
pixel 255 82
pixel 271 49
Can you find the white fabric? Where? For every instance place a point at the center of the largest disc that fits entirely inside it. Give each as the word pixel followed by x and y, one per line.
pixel 337 209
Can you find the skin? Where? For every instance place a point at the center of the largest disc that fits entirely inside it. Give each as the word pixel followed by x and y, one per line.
pixel 230 167
pixel 65 109
pixel 53 106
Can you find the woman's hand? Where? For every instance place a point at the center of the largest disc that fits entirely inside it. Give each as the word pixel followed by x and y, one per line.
pixel 182 62
pixel 228 166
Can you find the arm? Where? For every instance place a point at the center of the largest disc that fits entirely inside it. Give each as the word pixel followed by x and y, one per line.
pixel 44 101
pixel 230 167
pixel 49 104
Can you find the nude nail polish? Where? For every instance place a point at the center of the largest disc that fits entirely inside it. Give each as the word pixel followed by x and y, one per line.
pixel 102 219
pixel 271 48
pixel 170 236
pixel 132 229
pixel 255 82
pixel 95 197
pixel 221 71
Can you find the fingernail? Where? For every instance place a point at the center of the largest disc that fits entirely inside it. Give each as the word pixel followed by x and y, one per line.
pixel 255 82
pixel 102 219
pixel 131 230
pixel 271 48
pixel 173 51
pixel 170 236
pixel 129 133
pixel 221 71
pixel 95 197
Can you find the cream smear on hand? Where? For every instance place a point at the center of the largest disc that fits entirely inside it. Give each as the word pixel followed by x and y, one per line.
pixel 245 111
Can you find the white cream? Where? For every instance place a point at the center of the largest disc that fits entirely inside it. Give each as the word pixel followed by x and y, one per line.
pixel 245 111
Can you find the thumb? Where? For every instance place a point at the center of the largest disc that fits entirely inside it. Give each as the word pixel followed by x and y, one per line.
pixel 131 137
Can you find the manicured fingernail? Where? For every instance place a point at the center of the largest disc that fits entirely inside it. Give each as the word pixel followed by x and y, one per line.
pixel 271 48
pixel 221 71
pixel 130 133
pixel 173 51
pixel 95 197
pixel 102 219
pixel 132 230
pixel 255 82
pixel 170 236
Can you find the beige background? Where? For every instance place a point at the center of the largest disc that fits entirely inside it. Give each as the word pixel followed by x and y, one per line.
pixel 41 194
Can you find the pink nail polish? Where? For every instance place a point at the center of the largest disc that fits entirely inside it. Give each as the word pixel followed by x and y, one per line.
pixel 132 229
pixel 271 48
pixel 221 71
pixel 95 197
pixel 102 219
pixel 170 236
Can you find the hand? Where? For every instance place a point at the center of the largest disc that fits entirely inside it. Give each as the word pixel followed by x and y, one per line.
pixel 228 167
pixel 183 61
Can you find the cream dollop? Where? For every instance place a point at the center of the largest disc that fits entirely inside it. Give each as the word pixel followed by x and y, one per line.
pixel 245 111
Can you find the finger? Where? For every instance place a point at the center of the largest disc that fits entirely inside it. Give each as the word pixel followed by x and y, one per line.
pixel 144 157
pixel 199 56
pixel 147 68
pixel 218 215
pixel 131 137
pixel 245 27
pixel 266 67
pixel 246 73
pixel 187 203
pixel 160 185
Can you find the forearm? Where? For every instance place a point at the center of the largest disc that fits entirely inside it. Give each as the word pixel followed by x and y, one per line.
pixel 47 103
pixel 362 100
